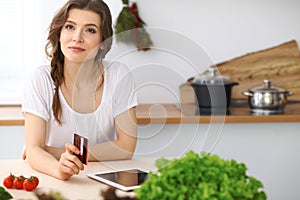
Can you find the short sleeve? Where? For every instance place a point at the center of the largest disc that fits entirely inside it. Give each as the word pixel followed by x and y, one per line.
pixel 124 96
pixel 38 92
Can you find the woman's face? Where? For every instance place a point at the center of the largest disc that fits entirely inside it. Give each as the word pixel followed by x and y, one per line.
pixel 80 36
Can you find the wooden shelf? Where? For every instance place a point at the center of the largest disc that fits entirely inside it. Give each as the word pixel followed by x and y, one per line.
pixel 171 114
pixel 11 116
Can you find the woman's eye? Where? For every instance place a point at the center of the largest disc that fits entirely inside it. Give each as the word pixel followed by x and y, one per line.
pixel 91 30
pixel 69 27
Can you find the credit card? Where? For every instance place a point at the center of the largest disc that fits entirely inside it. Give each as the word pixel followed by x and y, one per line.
pixel 82 144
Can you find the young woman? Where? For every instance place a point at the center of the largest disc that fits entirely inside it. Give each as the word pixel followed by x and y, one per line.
pixel 79 93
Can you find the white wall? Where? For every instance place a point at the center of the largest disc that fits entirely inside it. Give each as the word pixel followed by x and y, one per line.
pixel 202 32
pixel 190 35
pixel 230 28
pixel 12 142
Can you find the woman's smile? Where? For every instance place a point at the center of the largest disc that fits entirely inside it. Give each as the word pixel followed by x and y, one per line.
pixel 76 49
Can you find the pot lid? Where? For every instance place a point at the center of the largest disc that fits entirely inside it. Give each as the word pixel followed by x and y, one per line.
pixel 267 87
pixel 211 76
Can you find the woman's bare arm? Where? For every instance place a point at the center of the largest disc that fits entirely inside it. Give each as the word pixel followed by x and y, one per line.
pixel 121 148
pixel 35 134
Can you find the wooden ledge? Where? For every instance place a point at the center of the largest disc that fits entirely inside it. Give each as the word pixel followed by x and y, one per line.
pixel 171 114
pixel 11 116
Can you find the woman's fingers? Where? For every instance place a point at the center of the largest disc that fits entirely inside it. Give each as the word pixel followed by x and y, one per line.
pixel 70 148
pixel 69 164
pixel 69 155
pixel 69 167
pixel 64 172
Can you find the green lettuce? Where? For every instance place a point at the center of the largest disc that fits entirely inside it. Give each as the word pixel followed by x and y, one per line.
pixel 200 177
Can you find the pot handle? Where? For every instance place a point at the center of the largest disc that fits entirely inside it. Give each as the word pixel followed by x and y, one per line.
pixel 289 93
pixel 248 94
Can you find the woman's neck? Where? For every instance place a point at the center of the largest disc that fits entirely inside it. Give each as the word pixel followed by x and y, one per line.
pixel 83 85
pixel 75 73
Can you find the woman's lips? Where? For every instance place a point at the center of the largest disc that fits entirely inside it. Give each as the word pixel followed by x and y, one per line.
pixel 76 49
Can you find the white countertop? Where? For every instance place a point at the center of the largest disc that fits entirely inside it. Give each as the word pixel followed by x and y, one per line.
pixel 77 187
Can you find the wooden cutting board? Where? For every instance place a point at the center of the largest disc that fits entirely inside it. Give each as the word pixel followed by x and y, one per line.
pixel 280 64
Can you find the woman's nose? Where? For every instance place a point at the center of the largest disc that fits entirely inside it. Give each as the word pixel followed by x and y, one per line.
pixel 77 37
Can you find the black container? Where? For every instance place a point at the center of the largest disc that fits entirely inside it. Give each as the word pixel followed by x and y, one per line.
pixel 213 98
pixel 213 92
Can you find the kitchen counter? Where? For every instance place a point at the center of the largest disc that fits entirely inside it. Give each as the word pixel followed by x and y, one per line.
pixel 78 186
pixel 173 114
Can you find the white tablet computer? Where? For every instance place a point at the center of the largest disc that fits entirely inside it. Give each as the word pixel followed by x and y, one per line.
pixel 126 180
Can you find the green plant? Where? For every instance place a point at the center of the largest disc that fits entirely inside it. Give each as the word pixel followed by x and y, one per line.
pixel 4 195
pixel 201 177
pixel 130 29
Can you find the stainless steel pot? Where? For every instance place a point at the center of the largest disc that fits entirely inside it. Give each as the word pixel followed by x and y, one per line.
pixel 267 99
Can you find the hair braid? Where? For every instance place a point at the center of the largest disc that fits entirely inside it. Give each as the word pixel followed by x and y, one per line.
pixel 57 75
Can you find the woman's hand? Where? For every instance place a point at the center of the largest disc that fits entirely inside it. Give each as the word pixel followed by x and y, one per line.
pixel 69 164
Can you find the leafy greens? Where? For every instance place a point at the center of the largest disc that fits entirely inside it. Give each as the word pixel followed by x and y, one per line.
pixel 200 177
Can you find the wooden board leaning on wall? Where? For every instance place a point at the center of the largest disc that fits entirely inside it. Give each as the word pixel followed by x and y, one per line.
pixel 280 64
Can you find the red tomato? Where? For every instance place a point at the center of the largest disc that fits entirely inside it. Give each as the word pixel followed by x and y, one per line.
pixel 18 182
pixel 8 182
pixel 35 180
pixel 29 184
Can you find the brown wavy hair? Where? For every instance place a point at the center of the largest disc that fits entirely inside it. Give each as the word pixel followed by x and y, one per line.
pixel 53 49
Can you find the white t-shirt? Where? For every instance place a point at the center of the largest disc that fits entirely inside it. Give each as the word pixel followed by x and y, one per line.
pixel 118 96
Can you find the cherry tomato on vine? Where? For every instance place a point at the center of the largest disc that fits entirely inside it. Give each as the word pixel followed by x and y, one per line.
pixel 8 182
pixel 35 180
pixel 18 182
pixel 29 184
